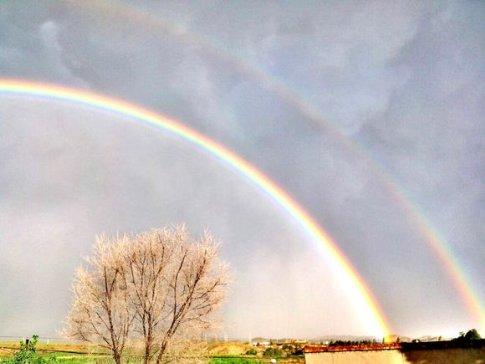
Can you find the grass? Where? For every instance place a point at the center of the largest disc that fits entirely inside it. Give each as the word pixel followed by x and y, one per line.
pixel 72 353
pixel 57 353
pixel 235 360
pixel 253 360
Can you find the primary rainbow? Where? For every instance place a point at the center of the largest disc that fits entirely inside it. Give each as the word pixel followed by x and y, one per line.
pixel 368 306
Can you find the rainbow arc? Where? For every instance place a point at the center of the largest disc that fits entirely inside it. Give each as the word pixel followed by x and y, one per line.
pixel 369 308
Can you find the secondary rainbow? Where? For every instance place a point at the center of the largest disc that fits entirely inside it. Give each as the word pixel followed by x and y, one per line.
pixel 367 304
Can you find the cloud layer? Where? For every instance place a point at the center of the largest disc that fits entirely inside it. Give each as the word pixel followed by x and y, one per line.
pixel 403 80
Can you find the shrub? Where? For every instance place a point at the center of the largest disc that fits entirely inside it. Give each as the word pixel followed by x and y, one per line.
pixel 272 352
pixel 27 353
pixel 252 351
pixel 298 351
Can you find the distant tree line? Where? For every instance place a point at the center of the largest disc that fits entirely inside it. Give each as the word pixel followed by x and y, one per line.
pixel 350 342
pixel 470 339
pixel 468 336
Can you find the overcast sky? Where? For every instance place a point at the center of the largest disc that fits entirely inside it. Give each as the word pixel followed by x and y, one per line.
pixel 396 94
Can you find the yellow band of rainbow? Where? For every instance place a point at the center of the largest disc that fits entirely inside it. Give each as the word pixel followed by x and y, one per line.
pixel 368 306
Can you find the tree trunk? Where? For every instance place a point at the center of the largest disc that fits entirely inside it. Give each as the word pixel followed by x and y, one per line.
pixel 163 347
pixel 148 348
pixel 117 357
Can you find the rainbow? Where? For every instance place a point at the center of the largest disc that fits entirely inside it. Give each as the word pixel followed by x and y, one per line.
pixel 440 248
pixel 369 308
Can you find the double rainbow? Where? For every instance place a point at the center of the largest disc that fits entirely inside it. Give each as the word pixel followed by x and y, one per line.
pixel 441 249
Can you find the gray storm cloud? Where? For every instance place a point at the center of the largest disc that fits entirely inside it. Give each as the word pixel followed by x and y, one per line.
pixel 53 51
pixel 404 80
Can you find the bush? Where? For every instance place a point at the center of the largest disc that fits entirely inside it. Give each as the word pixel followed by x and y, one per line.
pixel 298 351
pixel 273 352
pixel 252 351
pixel 27 353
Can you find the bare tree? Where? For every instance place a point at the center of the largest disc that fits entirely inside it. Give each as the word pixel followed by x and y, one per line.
pixel 160 287
pixel 100 311
pixel 175 283
pixel 147 262
pixel 197 286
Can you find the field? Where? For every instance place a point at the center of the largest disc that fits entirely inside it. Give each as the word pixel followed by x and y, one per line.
pixel 218 353
pixel 58 352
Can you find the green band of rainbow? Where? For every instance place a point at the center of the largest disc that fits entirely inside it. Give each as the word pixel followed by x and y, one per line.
pixel 369 308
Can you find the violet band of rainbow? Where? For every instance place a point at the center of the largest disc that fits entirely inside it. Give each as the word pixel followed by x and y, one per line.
pixel 369 308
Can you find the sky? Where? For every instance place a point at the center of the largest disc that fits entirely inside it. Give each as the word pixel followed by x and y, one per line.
pixel 345 105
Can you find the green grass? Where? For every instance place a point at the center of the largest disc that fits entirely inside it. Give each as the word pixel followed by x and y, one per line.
pixel 61 358
pixel 75 353
pixel 235 360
